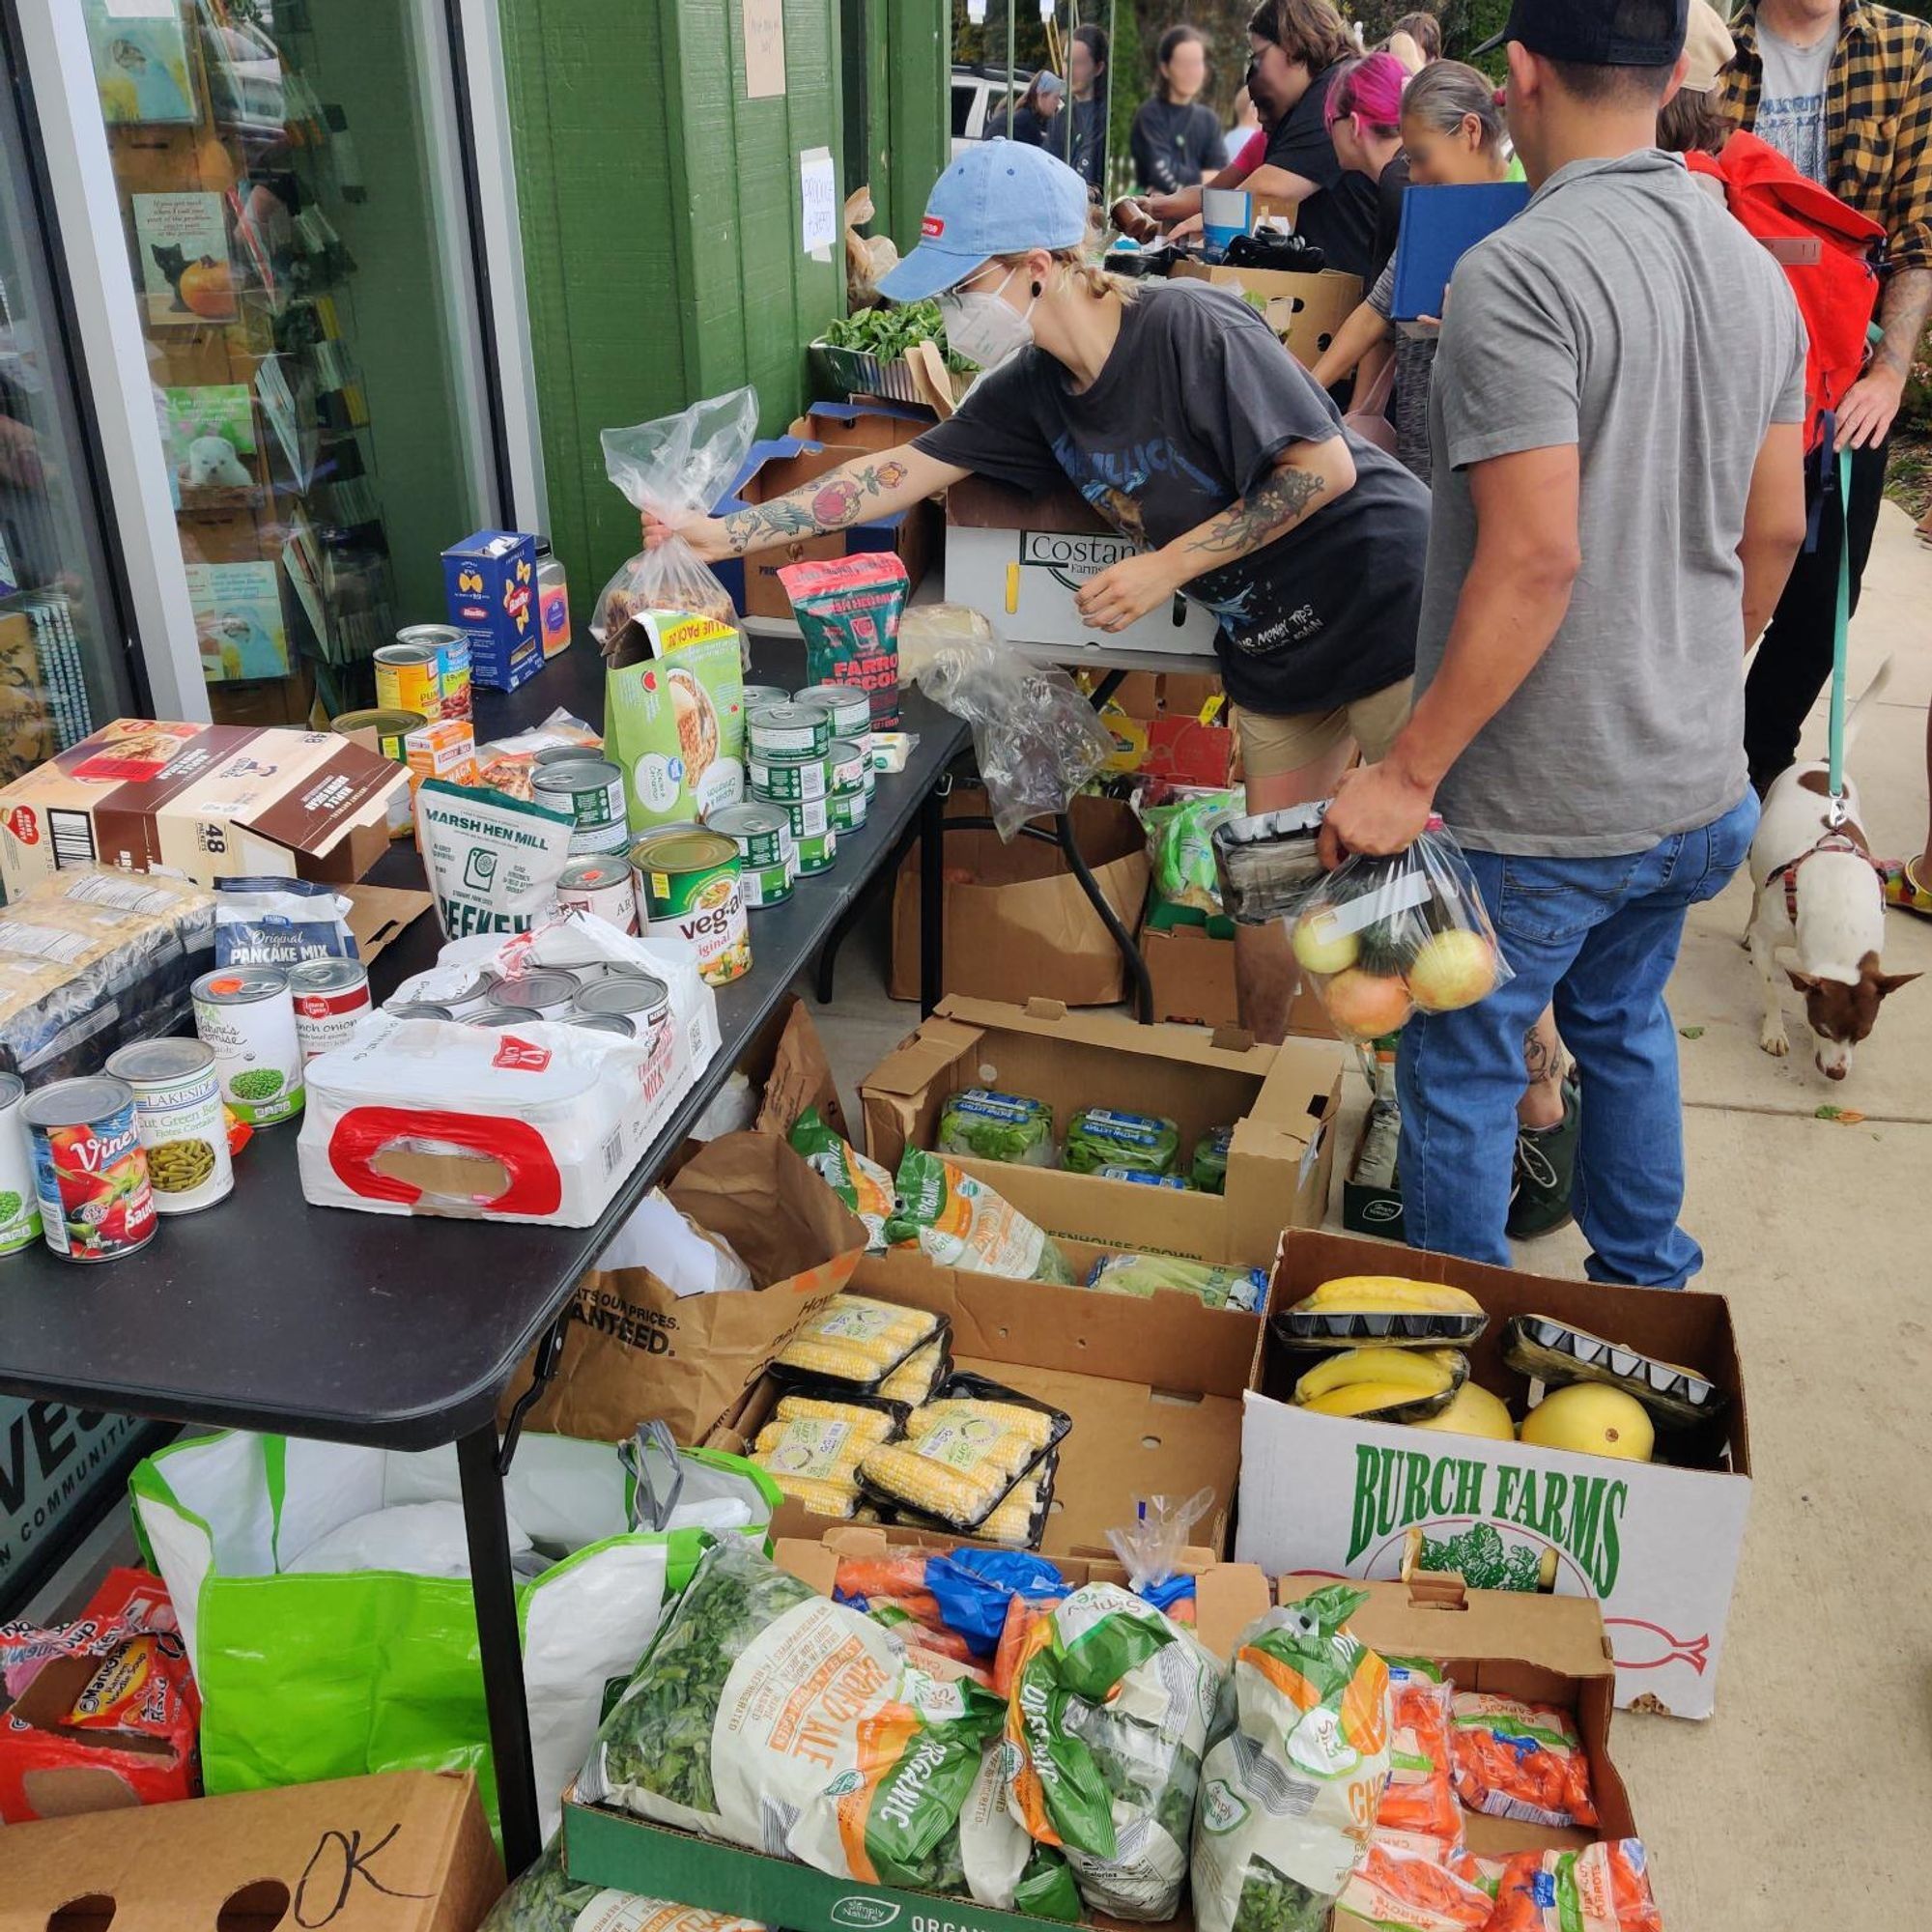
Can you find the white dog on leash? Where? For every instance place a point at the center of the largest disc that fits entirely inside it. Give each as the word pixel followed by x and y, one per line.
pixel 1817 891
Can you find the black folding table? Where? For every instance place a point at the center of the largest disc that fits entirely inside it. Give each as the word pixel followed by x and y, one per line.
pixel 263 1313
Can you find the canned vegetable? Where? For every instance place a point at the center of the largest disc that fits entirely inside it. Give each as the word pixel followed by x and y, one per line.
pixel 689 884
pixel 602 887
pixel 178 1110
pixel 850 708
pixel 591 791
pixel 817 851
pixel 248 1015
pixel 409 677
pixel 788 780
pixel 20 1200
pixel 847 811
pixel 331 995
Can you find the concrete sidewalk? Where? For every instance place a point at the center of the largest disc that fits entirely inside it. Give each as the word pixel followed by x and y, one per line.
pixel 1808 1789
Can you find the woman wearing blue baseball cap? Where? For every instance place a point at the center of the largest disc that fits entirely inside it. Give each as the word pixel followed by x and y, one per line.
pixel 1184 421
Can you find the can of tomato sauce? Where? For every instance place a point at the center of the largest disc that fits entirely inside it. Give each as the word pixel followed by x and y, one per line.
pixel 90 1167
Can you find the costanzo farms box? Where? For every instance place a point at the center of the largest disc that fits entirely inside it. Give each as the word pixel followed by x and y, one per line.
pixel 1656 1543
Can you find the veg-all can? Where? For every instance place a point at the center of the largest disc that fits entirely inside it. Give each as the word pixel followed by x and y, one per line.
pixel 787 731
pixel 787 780
pixel 19 1199
pixel 178 1110
pixel 90 1167
pixel 642 1001
pixel 766 852
pixel 603 888
pixel 452 663
pixel 543 995
pixel 850 707
pixel 809 816
pixel 330 996
pixel 246 1015
pixel 817 851
pixel 409 677
pixel 591 790
pixel 689 884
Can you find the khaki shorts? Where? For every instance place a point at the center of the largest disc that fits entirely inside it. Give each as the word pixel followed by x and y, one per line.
pixel 1273 746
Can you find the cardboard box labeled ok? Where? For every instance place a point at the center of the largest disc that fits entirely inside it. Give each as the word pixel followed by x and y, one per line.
pixel 1657 1544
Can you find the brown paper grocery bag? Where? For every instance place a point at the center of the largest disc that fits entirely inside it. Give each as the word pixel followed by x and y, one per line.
pixel 635 1353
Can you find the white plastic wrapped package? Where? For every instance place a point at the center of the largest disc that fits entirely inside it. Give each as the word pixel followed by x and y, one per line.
pixel 1037 739
pixel 1297 1765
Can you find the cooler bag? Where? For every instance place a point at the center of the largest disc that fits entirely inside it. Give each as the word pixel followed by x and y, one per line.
pixel 307 1676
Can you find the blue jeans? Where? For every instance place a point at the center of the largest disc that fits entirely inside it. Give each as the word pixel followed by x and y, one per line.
pixel 1599 936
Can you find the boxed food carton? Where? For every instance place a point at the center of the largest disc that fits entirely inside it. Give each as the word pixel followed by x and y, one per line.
pixel 207 800
pixel 1280 1102
pixel 1656 1543
pixel 406 1852
pixel 490 583
pixel 1304 310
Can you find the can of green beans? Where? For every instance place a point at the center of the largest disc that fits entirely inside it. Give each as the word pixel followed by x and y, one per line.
pixel 787 731
pixel 850 707
pixel 787 780
pixel 817 851
pixel 766 851
pixel 177 1112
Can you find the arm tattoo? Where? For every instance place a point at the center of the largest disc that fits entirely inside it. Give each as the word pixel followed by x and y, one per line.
pixel 848 496
pixel 1901 314
pixel 1541 1059
pixel 1282 498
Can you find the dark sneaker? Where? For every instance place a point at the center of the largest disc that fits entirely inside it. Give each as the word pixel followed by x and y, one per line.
pixel 1546 1164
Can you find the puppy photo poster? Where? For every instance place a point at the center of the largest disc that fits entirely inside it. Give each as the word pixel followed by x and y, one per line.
pixel 182 243
pixel 237 621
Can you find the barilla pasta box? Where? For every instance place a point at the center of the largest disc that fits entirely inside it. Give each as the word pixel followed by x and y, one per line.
pixel 205 801
pixel 491 580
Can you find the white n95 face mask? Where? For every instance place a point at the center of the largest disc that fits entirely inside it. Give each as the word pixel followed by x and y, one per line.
pixel 985 328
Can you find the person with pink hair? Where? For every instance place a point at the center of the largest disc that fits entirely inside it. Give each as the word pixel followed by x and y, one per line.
pixel 1364 116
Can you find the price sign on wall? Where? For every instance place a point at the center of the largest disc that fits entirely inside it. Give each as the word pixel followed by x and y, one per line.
pixel 764 48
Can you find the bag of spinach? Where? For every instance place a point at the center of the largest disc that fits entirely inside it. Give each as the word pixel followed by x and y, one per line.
pixel 1299 1757
pixel 751 1658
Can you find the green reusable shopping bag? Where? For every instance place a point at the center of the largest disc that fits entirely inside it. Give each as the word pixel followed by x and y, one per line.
pixel 308 1676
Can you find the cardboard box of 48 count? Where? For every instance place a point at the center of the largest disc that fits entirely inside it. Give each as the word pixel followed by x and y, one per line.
pixel 1656 1543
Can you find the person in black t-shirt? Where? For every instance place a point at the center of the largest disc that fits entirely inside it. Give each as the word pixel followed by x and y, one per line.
pixel 1180 418
pixel 1364 110
pixel 1084 133
pixel 1035 113
pixel 1175 141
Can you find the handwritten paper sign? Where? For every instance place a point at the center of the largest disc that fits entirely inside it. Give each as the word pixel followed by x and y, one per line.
pixel 764 48
pixel 818 202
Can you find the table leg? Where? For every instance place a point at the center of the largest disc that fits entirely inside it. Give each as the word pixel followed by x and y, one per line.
pixel 494 1589
pixel 931 899
pixel 1124 940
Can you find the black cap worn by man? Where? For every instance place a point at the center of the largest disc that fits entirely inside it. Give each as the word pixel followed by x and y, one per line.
pixel 1626 33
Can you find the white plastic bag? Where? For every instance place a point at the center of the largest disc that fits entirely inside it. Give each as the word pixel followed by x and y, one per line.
pixel 672 466
pixel 1037 739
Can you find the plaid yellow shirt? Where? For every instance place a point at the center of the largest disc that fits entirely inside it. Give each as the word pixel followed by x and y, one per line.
pixel 1877 128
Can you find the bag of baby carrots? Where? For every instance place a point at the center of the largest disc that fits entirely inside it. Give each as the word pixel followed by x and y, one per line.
pixel 1605 1888
pixel 1421 1795
pixel 1520 1761
pixel 1407 1883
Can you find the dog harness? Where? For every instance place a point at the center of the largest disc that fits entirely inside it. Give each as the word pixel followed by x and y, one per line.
pixel 1833 841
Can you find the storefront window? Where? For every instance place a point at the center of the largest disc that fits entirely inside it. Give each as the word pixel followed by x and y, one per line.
pixel 62 664
pixel 285 178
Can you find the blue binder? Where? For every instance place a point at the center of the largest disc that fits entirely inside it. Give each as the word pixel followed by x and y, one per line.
pixel 1439 225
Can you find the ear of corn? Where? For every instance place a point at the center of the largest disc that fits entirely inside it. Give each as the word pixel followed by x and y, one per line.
pixel 854 1339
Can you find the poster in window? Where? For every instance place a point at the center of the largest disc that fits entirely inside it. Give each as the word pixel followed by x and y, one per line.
pixel 237 621
pixel 182 242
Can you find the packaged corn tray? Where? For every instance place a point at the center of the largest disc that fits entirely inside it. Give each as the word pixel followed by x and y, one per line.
pixel 922 1371
pixel 1106 1723
pixel 963 1452
pixel 957 1220
pixel 1208 1169
pixel 1294 1772
pixel 1238 1288
pixel 1605 1888
pixel 1099 1137
pixel 854 1342
pixel 1520 1761
pixel 988 1125
pixel 548 1899
pixel 1019 1521
pixel 812 1447
pixel 705 1735
pixel 864 1185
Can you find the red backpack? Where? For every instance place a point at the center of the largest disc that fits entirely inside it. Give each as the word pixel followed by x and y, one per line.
pixel 1826 249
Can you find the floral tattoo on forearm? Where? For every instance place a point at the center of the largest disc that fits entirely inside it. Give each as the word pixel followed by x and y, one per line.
pixel 834 502
pixel 1261 515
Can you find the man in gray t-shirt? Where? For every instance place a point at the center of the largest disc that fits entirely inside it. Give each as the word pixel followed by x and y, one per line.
pixel 1616 430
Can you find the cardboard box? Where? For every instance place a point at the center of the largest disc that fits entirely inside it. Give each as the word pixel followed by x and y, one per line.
pixel 1016 921
pixel 872 426
pixel 1657 1544
pixel 1155 1386
pixel 1158 728
pixel 1020 559
pixel 1304 310
pixel 634 1352
pixel 407 1851
pixel 786 463
pixel 1544 1650
pixel 1190 959
pixel 1280 1099
pixel 207 800
pixel 490 583
pixel 1368 1207
pixel 613 1849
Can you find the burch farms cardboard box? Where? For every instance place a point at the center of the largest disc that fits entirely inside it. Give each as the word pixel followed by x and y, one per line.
pixel 613 1849
pixel 1657 1544
pixel 208 801
pixel 1279 1099
pixel 1153 1386
pixel 407 1851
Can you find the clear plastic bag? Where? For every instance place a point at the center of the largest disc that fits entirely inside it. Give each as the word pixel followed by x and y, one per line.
pixel 672 466
pixel 1038 740
pixel 1150 1547
pixel 1380 938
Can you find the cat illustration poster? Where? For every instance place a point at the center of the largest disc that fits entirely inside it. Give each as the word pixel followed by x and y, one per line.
pixel 140 61
pixel 182 243
pixel 237 621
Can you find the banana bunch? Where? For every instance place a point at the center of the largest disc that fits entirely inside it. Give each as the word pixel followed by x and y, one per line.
pixel 1382 1384
pixel 1388 1311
